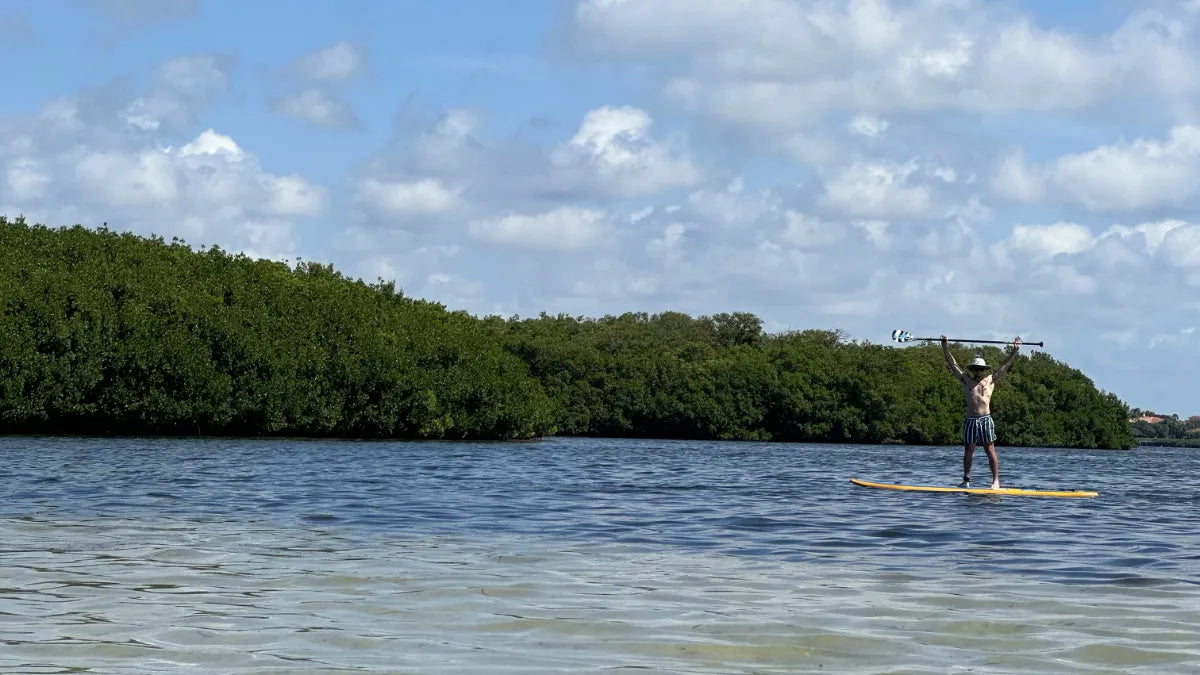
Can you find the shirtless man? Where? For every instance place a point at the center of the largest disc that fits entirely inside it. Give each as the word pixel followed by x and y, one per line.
pixel 978 428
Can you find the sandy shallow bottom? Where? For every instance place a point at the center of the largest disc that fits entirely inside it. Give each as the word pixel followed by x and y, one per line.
pixel 130 596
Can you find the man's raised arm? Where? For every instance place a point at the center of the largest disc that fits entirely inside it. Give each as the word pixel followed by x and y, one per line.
pixel 950 362
pixel 1012 356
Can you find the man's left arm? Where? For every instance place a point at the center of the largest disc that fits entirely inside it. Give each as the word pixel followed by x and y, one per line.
pixel 1012 356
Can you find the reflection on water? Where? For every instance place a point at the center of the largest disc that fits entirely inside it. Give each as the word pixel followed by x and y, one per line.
pixel 586 556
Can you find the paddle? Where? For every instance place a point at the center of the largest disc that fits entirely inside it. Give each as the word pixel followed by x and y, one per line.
pixel 905 336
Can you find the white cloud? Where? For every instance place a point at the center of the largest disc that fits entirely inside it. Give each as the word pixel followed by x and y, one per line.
pixel 1015 179
pixel 868 125
pixel 777 66
pixel 183 88
pixel 426 196
pixel 878 189
pixel 1128 176
pixel 1181 246
pixel 1051 240
pixel 616 144
pixel 1151 234
pixel 805 230
pixel 560 229
pixel 669 245
pixel 317 107
pixel 142 178
pixel 336 63
pixel 90 159
pixel 1138 175
pixel 291 196
pixel 26 181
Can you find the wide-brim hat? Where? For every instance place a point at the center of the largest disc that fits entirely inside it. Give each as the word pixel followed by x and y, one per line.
pixel 977 362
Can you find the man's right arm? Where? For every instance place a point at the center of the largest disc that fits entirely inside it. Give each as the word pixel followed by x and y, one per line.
pixel 950 362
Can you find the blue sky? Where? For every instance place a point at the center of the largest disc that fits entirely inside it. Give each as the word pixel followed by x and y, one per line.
pixel 975 168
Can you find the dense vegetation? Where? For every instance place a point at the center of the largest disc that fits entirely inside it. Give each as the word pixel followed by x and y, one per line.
pixel 103 332
pixel 112 333
pixel 722 377
pixel 1171 430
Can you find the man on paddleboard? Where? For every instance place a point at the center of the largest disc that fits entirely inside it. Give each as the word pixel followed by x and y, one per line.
pixel 978 428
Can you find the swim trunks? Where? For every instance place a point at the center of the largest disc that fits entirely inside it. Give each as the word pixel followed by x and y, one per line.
pixel 979 430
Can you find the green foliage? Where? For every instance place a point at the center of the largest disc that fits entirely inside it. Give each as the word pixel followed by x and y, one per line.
pixel 112 333
pixel 1170 426
pixel 721 377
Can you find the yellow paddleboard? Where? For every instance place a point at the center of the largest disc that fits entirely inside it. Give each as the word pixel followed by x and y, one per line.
pixel 979 491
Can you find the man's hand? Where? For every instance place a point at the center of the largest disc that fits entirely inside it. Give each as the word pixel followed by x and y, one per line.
pixel 1016 343
pixel 943 340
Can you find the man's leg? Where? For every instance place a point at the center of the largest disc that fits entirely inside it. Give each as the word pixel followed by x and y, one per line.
pixel 994 462
pixel 968 455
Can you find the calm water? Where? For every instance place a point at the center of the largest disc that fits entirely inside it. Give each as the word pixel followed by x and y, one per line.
pixel 574 555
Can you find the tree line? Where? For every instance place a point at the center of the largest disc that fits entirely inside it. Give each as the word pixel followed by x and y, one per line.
pixel 1171 426
pixel 110 333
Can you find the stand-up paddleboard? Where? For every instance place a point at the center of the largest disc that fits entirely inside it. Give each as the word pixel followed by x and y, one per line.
pixel 979 491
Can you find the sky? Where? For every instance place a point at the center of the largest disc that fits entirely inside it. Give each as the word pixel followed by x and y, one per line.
pixel 961 167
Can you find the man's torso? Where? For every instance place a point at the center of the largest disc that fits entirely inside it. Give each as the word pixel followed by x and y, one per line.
pixel 979 395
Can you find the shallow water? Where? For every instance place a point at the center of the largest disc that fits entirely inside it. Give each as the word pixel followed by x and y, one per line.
pixel 584 555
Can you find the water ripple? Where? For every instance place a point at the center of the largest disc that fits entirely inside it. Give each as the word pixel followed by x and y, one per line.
pixel 586 556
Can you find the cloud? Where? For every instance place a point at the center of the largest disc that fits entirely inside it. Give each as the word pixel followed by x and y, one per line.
pixel 778 66
pixel 1015 179
pixel 318 108
pixel 183 88
pixel 101 156
pixel 879 189
pixel 616 144
pixel 561 229
pixel 1130 176
pixel 311 82
pixel 336 63
pixel 420 197
pixel 453 165
pixel 868 125
pixel 1051 240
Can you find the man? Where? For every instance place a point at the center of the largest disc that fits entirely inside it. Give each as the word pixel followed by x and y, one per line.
pixel 978 428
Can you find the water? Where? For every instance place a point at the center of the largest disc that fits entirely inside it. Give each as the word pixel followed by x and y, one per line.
pixel 577 555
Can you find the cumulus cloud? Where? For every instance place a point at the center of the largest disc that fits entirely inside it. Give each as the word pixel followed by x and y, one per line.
pixel 336 63
pixel 778 65
pixel 1139 175
pixel 425 196
pixel 101 156
pixel 882 189
pixel 1050 240
pixel 562 229
pixel 868 125
pixel 455 165
pixel 616 144
pixel 1128 176
pixel 313 83
pixel 318 108
pixel 183 87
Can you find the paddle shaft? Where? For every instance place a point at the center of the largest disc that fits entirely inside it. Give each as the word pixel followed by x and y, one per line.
pixel 989 342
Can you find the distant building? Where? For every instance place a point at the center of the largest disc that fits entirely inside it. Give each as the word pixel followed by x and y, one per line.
pixel 1152 419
